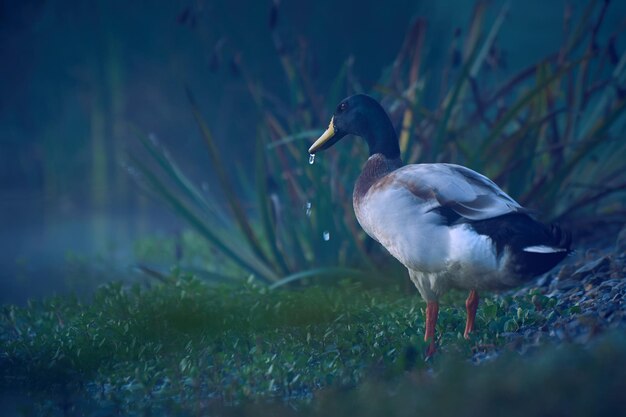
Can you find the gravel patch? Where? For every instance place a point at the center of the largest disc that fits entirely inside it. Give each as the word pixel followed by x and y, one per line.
pixel 591 285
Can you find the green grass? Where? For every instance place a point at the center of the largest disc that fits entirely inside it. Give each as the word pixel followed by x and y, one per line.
pixel 183 346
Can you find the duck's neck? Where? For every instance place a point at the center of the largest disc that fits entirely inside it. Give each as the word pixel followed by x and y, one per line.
pixel 381 138
pixel 376 167
pixel 382 141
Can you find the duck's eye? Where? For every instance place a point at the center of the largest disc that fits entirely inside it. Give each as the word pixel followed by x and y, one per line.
pixel 342 107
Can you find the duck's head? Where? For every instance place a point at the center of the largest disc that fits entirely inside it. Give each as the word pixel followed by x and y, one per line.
pixel 361 115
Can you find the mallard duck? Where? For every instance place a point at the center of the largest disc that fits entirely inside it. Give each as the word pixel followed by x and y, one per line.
pixel 450 226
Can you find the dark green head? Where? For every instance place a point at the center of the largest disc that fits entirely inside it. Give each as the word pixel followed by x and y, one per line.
pixel 363 116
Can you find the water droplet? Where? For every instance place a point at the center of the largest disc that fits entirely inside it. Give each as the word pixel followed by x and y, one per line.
pixel 326 235
pixel 311 158
pixel 308 209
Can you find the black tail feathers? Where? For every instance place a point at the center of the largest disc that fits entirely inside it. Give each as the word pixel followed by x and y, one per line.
pixel 561 238
pixel 551 249
pixel 535 247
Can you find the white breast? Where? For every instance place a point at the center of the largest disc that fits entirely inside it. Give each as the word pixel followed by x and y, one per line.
pixel 403 224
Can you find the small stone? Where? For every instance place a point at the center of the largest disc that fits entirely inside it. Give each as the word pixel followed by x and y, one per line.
pixel 544 281
pixel 593 280
pixel 593 266
pixel 605 313
pixel 591 254
pixel 609 284
pixel 560 334
pixel 617 266
pixel 565 272
pixel 566 284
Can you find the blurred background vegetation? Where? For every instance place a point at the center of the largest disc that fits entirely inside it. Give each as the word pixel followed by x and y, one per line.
pixel 208 108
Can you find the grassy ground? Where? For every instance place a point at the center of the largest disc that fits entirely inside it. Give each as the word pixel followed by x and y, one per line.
pixel 184 347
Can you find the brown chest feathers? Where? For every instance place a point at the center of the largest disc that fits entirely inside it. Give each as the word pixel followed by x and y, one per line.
pixel 376 167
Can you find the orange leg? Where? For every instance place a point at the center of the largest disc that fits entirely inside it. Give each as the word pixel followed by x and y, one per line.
pixel 471 304
pixel 432 310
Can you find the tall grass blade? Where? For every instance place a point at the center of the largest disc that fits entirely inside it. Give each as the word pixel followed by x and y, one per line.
pixel 451 105
pixel 178 178
pixel 263 199
pixel 223 179
pixel 237 254
pixel 584 150
pixel 519 105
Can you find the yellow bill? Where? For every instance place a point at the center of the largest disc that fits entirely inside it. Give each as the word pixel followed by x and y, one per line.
pixel 329 133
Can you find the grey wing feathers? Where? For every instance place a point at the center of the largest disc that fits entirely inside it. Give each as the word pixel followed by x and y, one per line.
pixel 467 192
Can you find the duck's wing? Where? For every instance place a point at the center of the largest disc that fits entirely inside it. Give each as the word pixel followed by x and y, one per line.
pixel 466 192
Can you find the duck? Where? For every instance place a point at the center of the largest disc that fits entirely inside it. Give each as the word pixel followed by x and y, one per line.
pixel 451 227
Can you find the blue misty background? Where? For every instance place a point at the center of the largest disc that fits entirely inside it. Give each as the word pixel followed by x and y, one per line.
pixel 77 77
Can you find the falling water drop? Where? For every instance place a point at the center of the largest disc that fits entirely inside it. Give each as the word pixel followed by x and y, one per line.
pixel 311 158
pixel 308 209
pixel 326 235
